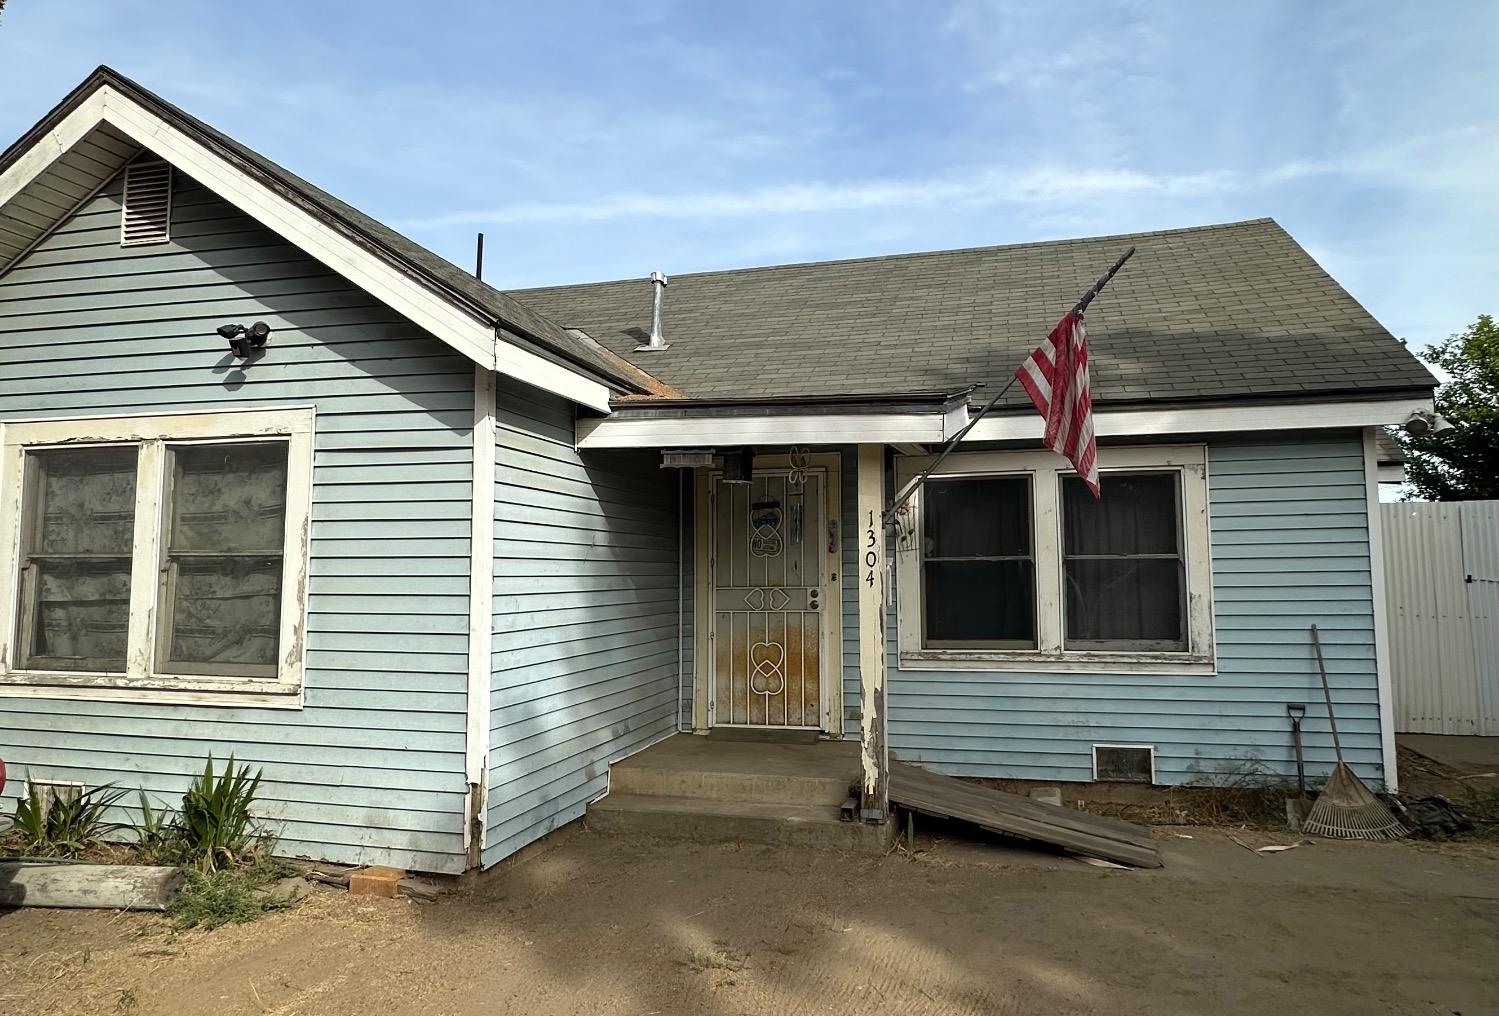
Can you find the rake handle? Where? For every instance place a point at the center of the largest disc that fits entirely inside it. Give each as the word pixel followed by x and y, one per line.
pixel 1337 745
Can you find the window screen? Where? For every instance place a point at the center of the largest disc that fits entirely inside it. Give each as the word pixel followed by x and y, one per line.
pixel 1122 563
pixel 76 553
pixel 979 573
pixel 221 592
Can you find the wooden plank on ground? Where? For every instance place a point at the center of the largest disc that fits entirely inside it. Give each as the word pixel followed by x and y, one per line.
pixel 930 793
pixel 102 886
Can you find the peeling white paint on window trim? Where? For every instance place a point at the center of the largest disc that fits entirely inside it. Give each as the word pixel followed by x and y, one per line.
pixel 139 682
pixel 1050 656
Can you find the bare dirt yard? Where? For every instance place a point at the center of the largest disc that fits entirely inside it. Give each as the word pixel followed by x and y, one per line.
pixel 594 924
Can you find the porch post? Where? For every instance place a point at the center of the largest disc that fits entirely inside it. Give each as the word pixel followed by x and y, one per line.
pixel 874 805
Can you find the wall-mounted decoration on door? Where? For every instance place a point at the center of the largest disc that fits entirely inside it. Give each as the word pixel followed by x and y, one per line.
pixel 765 523
pixel 768 673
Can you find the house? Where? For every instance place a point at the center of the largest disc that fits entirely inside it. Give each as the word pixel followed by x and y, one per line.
pixel 418 558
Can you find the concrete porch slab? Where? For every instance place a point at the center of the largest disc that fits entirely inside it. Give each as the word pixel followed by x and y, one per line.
pixel 703 821
pixel 711 790
pixel 706 768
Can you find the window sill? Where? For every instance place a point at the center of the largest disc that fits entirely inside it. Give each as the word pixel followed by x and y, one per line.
pixel 1020 661
pixel 161 689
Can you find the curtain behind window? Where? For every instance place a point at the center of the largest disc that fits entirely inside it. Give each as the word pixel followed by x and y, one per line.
pixel 1123 567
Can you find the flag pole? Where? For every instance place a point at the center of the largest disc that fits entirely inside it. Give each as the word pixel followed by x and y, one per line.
pixel 1079 309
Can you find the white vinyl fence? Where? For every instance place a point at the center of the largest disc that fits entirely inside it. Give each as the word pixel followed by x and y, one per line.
pixel 1442 593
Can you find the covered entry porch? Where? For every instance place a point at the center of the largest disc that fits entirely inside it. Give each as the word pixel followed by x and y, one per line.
pixel 785 584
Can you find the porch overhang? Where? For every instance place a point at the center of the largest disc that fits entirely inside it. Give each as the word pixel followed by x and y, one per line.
pixel 933 418
pixel 896 418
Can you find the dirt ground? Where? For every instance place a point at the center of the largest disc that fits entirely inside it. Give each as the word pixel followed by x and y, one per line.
pixel 594 924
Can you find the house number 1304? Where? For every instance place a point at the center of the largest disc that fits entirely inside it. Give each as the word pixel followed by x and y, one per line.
pixel 871 553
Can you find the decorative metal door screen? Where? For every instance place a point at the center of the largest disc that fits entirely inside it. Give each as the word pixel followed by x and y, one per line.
pixel 768 548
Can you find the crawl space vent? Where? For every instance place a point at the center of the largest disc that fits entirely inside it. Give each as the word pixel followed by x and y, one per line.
pixel 148 204
pixel 1124 763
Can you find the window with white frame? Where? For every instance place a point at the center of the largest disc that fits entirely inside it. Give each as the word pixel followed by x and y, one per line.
pixel 1006 561
pixel 165 553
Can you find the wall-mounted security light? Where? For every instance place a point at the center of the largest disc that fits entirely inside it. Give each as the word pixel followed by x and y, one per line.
pixel 1423 422
pixel 244 341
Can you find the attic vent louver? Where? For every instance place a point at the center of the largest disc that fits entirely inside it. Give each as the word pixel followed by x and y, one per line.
pixel 148 204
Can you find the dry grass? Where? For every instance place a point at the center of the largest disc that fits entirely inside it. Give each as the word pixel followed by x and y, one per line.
pixel 1252 807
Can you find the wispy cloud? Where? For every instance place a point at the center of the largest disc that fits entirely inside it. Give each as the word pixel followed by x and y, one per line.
pixel 1427 161
pixel 978 190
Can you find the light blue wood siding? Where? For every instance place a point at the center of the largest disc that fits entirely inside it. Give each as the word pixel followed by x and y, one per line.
pixel 585 610
pixel 1290 548
pixel 372 768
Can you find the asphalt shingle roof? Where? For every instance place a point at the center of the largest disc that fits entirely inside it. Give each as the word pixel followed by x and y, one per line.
pixel 1213 312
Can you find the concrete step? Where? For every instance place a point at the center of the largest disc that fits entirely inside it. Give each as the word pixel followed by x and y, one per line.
pixel 705 821
pixel 636 777
pixel 763 735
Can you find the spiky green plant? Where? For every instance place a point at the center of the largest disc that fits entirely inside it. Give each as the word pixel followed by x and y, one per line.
pixel 158 834
pixel 216 824
pixel 65 826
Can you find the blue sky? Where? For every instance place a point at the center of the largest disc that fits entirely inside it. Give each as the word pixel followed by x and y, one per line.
pixel 596 141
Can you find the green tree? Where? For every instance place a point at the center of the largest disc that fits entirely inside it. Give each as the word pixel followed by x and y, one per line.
pixel 1461 464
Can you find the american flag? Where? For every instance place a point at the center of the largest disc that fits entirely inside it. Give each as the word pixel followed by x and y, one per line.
pixel 1056 376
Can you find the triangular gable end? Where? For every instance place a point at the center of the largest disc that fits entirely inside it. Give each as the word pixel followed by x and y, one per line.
pixel 103 128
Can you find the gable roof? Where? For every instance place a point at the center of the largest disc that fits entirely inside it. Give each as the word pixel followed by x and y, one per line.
pixel 1236 311
pixel 63 159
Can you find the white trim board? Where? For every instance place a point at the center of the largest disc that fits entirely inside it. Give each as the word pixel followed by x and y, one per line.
pixel 929 427
pixel 474 337
pixel 142 680
pixel 1044 470
pixel 873 578
pixel 480 612
pixel 1214 419
pixel 1382 664
pixel 926 427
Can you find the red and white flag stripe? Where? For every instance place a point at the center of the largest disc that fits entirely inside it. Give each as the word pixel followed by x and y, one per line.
pixel 1056 377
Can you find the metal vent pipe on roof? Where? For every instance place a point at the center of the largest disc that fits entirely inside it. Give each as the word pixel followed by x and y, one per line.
pixel 658 292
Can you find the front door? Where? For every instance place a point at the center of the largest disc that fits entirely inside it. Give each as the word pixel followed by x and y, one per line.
pixel 768 547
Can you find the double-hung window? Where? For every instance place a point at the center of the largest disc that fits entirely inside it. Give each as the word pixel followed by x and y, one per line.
pixel 164 554
pixel 1006 561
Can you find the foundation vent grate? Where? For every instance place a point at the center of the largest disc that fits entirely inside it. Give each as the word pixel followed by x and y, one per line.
pixel 1124 763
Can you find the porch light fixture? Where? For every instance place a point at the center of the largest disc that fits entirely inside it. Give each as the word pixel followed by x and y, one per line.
pixel 244 341
pixel 687 459
pixel 739 465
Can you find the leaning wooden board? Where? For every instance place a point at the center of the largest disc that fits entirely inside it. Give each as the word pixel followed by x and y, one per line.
pixel 105 886
pixel 929 793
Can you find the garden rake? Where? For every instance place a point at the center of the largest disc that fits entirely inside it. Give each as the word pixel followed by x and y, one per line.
pixel 1346 809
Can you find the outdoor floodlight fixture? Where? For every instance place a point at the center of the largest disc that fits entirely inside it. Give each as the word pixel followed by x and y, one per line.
pixel 244 341
pixel 1423 422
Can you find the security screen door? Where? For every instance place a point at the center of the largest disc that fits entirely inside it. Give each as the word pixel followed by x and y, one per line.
pixel 768 538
